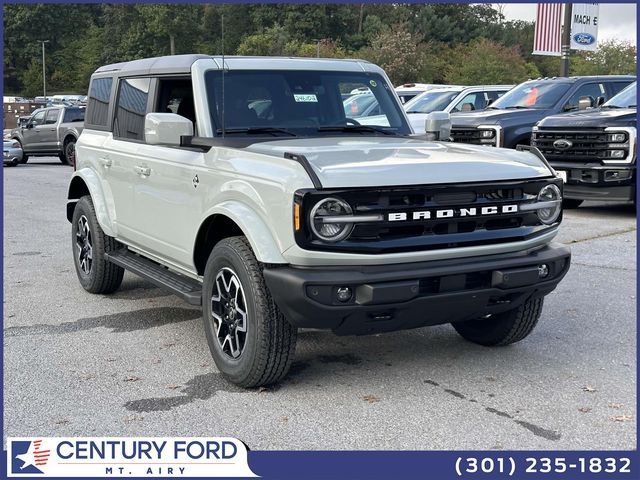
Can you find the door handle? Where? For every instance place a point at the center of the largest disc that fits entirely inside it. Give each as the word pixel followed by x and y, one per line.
pixel 143 171
pixel 106 162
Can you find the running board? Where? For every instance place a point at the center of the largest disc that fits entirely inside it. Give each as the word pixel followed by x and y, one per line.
pixel 188 289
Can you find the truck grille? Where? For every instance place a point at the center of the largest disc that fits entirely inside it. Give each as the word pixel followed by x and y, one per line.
pixel 457 230
pixel 466 135
pixel 581 145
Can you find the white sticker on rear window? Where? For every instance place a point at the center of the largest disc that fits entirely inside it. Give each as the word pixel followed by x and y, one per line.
pixel 305 97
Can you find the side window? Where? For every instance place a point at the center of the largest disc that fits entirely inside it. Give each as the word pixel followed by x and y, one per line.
pixel 176 96
pixel 73 115
pixel 472 101
pixel 592 90
pixel 131 107
pixel 38 118
pixel 52 116
pixel 617 87
pixel 98 106
pixel 494 95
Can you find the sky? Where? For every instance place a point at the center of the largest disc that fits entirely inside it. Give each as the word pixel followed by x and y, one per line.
pixel 617 20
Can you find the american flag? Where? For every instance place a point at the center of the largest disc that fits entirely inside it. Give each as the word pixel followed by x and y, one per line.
pixel 546 40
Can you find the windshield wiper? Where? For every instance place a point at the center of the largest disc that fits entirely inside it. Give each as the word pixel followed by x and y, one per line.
pixel 355 128
pixel 517 107
pixel 272 130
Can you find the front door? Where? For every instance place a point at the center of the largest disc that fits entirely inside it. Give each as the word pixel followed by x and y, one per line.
pixel 49 134
pixel 31 133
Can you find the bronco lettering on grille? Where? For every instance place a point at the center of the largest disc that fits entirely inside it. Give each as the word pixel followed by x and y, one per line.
pixel 451 213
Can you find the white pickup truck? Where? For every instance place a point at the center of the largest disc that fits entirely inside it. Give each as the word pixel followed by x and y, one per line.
pixel 241 185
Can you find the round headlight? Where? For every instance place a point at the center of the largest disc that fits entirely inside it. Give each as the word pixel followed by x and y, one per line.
pixel 325 222
pixel 550 193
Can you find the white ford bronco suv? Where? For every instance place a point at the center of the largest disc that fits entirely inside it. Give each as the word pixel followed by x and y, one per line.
pixel 242 185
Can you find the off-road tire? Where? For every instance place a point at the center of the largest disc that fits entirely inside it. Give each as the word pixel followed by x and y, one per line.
pixel 504 328
pixel 270 340
pixel 104 276
pixel 67 157
pixel 571 203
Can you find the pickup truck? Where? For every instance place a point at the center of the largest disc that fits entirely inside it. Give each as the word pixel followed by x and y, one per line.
pixel 509 120
pixel 50 131
pixel 241 185
pixel 594 150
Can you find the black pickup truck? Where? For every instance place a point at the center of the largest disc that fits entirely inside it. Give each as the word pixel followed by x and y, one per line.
pixel 593 150
pixel 509 120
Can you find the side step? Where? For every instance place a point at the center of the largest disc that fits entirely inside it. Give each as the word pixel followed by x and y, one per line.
pixel 188 289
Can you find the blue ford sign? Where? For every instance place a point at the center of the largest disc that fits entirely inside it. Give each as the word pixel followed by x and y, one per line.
pixel 584 38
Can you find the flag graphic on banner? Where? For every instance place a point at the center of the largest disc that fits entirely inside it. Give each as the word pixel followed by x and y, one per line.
pixel 548 29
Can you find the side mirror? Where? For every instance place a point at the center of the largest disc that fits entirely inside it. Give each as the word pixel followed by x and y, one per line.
pixel 584 103
pixel 28 125
pixel 437 126
pixel 166 128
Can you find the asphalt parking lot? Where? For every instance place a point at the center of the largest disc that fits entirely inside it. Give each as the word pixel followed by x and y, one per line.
pixel 136 363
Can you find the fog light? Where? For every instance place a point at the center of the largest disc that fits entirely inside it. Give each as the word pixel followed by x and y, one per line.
pixel 543 270
pixel 343 294
pixel 618 153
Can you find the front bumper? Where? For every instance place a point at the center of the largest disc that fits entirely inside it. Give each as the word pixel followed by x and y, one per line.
pixel 597 182
pixel 393 297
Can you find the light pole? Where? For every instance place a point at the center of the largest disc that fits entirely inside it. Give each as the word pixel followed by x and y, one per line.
pixel 566 41
pixel 44 77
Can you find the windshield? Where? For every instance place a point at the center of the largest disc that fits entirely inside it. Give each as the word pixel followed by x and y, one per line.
pixel 430 102
pixel 626 98
pixel 302 102
pixel 538 95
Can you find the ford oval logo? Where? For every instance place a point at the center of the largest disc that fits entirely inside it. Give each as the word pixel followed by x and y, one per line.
pixel 562 144
pixel 584 38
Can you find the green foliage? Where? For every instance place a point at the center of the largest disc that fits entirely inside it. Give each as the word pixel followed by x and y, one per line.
pixel 465 43
pixel 485 62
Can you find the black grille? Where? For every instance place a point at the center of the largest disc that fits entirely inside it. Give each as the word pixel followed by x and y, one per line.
pixel 470 135
pixel 585 144
pixel 460 229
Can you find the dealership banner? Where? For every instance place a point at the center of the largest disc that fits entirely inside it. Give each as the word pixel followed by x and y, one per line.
pixel 584 26
pixel 127 457
pixel 548 29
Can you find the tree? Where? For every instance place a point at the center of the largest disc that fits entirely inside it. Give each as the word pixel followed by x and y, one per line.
pixel 485 62
pixel 612 57
pixel 396 51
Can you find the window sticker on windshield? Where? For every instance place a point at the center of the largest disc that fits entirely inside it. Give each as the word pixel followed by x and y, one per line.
pixel 373 83
pixel 305 97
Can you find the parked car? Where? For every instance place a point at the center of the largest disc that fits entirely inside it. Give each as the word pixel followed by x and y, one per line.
pixel 297 216
pixel 594 150
pixel 51 131
pixel 407 91
pixel 451 100
pixel 11 152
pixel 508 121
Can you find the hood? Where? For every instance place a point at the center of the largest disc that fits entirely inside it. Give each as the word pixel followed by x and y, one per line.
pixel 498 117
pixel 601 117
pixel 341 162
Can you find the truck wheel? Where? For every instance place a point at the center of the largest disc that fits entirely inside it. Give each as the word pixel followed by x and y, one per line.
pixel 504 328
pixel 570 203
pixel 251 342
pixel 89 245
pixel 68 155
pixel 25 157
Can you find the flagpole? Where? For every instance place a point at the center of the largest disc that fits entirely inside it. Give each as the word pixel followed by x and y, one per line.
pixel 566 40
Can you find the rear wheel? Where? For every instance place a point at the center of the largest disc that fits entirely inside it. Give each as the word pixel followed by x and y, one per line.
pixel 250 341
pixel 570 203
pixel 89 245
pixel 504 328
pixel 68 156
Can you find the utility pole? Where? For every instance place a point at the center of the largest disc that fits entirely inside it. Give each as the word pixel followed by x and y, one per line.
pixel 44 74
pixel 566 40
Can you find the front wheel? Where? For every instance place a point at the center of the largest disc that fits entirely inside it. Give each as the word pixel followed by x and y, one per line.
pixel 250 341
pixel 89 245
pixel 25 157
pixel 504 328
